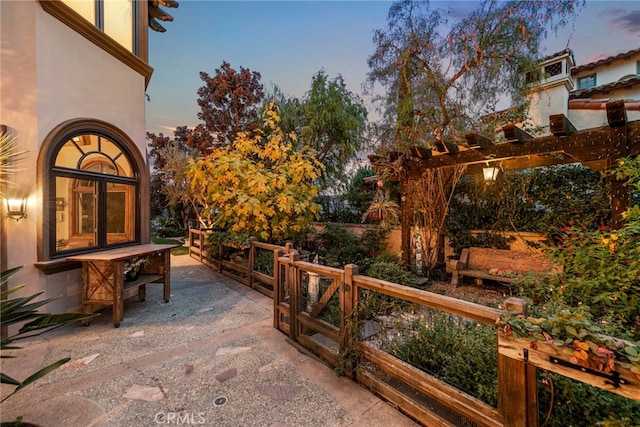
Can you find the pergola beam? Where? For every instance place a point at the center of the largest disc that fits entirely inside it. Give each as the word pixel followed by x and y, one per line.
pixel 514 134
pixel 560 125
pixel 586 145
pixel 446 147
pixel 475 140
pixel 616 113
pixel 420 152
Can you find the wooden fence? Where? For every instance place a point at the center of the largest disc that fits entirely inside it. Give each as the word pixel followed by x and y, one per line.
pixel 316 306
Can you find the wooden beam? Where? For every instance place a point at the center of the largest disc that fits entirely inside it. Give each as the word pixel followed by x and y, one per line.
pixel 165 3
pixel 158 13
pixel 446 147
pixel 477 140
pixel 591 144
pixel 395 155
pixel 616 113
pixel 156 26
pixel 375 160
pixel 420 152
pixel 560 125
pixel 515 135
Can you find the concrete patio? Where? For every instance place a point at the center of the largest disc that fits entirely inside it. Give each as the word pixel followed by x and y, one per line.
pixel 208 357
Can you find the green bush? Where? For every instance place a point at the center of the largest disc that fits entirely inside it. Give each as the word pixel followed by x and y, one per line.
pixel 457 351
pixel 575 403
pixel 338 247
pixel 391 272
pixel 263 261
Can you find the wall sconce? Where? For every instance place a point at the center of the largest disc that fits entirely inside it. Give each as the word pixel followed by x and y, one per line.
pixel 490 173
pixel 17 208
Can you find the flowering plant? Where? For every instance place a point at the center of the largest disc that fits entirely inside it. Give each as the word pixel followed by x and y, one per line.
pixel 133 265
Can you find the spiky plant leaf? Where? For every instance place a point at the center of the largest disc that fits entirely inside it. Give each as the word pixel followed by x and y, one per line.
pixel 33 377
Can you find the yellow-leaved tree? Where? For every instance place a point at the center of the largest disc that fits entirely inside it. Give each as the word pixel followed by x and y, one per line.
pixel 259 185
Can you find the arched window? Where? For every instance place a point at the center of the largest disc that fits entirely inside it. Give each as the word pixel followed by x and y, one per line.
pixel 93 194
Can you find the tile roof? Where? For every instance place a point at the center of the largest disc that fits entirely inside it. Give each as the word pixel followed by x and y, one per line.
pixel 557 54
pixel 604 61
pixel 626 81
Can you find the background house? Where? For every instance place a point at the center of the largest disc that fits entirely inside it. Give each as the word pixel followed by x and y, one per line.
pixel 73 82
pixel 580 92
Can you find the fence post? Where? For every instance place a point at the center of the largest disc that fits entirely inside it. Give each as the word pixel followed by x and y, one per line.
pixel 295 295
pixel 517 383
pixel 348 322
pixel 252 257
pixel 277 287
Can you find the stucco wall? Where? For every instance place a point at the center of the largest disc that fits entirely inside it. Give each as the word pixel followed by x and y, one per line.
pixel 51 74
pixel 612 72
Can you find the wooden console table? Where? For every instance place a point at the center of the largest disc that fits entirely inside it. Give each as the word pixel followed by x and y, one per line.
pixel 103 280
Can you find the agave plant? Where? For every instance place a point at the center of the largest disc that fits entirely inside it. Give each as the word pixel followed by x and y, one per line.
pixel 25 310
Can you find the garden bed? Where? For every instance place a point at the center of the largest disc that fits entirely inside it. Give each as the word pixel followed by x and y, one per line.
pixel 485 295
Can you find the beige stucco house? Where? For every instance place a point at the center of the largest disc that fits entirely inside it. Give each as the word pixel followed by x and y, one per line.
pixel 580 92
pixel 72 81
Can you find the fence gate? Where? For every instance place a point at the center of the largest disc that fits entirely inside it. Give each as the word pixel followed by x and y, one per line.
pixel 307 305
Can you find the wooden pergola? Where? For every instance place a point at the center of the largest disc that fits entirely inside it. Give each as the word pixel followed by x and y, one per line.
pixel 597 148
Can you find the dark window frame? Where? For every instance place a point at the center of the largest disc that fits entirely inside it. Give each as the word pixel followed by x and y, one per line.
pixel 46 159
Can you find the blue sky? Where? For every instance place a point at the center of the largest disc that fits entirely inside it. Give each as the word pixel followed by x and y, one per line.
pixel 287 42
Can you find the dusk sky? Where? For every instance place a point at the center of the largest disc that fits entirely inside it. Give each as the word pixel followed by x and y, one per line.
pixel 288 42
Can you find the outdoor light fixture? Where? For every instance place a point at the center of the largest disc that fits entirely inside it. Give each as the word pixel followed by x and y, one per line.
pixel 17 208
pixel 490 173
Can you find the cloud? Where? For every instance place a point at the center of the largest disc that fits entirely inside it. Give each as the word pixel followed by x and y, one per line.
pixel 627 20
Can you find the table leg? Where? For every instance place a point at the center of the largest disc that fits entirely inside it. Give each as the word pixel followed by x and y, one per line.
pixel 167 275
pixel 118 301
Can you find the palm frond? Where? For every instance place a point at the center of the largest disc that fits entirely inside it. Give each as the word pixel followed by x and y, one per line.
pixel 54 320
pixel 9 155
pixel 33 377
pixel 24 310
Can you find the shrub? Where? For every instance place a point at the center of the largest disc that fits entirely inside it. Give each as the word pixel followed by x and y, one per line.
pixel 338 247
pixel 391 272
pixel 601 272
pixel 573 403
pixel 601 285
pixel 457 351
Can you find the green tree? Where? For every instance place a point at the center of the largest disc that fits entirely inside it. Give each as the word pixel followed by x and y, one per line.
pixel 333 123
pixel 260 185
pixel 169 186
pixel 329 118
pixel 359 194
pixel 443 77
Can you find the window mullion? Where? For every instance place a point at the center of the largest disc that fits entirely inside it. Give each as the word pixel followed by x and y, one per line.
pixel 102 213
pixel 100 14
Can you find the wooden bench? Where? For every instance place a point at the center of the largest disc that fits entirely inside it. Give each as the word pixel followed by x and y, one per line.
pixel 103 281
pixel 500 265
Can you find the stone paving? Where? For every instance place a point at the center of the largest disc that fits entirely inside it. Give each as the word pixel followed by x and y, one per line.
pixel 208 357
